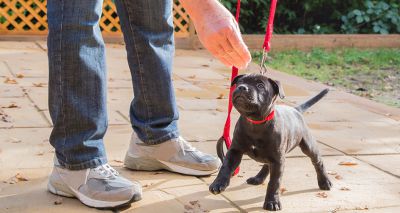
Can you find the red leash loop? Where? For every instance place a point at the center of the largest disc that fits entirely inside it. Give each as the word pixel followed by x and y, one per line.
pixel 266 46
pixel 270 26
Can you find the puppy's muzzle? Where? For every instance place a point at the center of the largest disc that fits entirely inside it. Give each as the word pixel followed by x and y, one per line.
pixel 243 92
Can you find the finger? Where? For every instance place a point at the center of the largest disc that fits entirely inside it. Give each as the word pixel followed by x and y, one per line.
pixel 216 53
pixel 225 52
pixel 233 54
pixel 235 39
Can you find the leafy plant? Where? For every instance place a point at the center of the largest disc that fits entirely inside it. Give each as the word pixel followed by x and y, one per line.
pixel 376 16
pixel 319 16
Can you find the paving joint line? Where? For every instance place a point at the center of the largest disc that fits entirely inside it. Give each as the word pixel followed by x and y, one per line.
pixel 37 107
pixel 123 116
pixel 355 156
pixel 369 208
pixel 9 69
pixel 226 198
pixel 40 47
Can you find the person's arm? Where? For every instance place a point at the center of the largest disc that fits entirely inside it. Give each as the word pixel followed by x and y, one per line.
pixel 218 31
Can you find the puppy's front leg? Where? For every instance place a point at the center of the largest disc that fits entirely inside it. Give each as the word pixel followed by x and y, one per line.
pixel 231 162
pixel 272 202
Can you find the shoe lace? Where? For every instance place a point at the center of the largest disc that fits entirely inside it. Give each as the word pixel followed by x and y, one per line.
pixel 185 146
pixel 106 170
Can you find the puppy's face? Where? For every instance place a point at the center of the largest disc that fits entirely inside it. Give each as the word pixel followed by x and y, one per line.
pixel 255 95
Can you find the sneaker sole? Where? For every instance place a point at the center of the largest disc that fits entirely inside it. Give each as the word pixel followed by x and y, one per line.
pixel 149 164
pixel 93 203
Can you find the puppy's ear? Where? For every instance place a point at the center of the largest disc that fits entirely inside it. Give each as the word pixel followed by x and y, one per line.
pixel 277 88
pixel 235 80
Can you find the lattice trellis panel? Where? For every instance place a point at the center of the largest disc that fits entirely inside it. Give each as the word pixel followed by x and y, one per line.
pixel 181 20
pixel 28 17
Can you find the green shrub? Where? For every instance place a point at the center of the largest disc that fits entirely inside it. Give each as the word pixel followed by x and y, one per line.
pixel 317 16
pixel 375 16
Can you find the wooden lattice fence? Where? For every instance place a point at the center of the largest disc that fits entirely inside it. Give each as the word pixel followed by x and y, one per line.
pixel 28 17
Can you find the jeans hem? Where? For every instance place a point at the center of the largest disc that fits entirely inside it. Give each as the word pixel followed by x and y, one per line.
pixel 165 138
pixel 93 163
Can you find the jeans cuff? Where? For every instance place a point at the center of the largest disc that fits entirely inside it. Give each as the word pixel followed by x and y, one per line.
pixel 167 137
pixel 93 163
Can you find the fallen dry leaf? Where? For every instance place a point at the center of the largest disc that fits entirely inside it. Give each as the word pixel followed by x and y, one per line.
pixel 41 153
pixel 338 177
pixel 362 208
pixel 322 195
pixel 332 173
pixel 219 110
pixel 17 178
pixel 10 106
pixel 10 81
pixel 147 185
pixel 157 173
pixel 19 75
pixel 220 96
pixel 194 207
pixel 39 84
pixel 346 163
pixel 118 161
pixel 194 202
pixel 345 189
pixel 334 210
pixel 192 77
pixel 15 140
pixel 188 207
pixel 283 190
pixel 4 117
pixel 58 201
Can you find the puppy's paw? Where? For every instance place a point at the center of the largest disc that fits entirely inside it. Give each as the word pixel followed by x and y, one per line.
pixel 255 180
pixel 272 205
pixel 218 186
pixel 325 184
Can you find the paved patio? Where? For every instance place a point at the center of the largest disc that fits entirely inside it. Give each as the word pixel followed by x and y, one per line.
pixel 350 130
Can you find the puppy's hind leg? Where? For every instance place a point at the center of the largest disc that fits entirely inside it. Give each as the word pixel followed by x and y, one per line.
pixel 309 147
pixel 260 177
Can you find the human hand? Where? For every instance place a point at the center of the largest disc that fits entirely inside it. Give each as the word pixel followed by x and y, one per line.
pixel 218 31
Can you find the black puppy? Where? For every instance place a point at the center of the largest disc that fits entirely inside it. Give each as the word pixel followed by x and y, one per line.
pixel 265 133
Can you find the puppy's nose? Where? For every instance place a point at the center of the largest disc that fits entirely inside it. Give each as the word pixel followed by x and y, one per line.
pixel 243 88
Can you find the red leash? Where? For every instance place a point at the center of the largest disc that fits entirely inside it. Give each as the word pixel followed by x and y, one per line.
pixel 266 47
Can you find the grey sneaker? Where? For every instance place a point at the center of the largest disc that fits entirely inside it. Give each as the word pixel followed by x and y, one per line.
pixel 101 187
pixel 175 155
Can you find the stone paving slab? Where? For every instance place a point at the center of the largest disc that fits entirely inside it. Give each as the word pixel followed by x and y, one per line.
pixel 162 191
pixel 348 128
pixel 355 187
pixel 4 71
pixel 10 91
pixel 388 163
pixel 23 148
pixel 21 113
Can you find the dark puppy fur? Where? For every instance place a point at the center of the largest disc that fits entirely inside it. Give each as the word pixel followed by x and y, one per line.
pixel 254 98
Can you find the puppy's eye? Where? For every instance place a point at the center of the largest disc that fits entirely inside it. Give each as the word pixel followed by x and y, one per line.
pixel 260 86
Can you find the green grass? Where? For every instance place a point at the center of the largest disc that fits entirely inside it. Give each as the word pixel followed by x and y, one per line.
pixel 372 73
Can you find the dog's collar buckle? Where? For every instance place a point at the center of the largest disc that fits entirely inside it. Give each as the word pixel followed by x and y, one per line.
pixel 268 118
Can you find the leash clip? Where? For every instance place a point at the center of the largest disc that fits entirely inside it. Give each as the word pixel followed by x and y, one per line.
pixel 263 67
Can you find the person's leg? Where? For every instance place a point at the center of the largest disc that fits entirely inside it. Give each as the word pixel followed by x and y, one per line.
pixel 77 103
pixel 77 83
pixel 148 32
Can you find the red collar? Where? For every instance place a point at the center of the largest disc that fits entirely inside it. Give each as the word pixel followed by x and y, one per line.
pixel 268 118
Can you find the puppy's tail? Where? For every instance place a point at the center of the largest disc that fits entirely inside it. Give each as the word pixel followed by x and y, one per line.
pixel 303 107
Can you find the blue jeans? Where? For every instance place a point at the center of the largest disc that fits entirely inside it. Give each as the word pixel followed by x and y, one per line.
pixel 77 79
